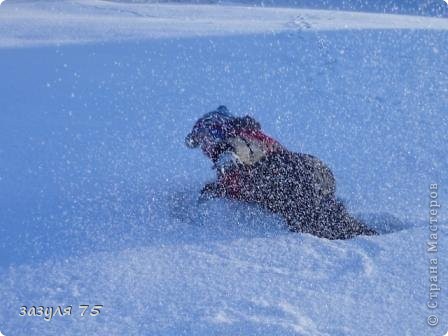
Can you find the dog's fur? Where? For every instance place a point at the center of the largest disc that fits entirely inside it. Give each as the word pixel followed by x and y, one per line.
pixel 300 188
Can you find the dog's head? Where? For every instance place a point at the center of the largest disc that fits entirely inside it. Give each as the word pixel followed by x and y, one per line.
pixel 210 131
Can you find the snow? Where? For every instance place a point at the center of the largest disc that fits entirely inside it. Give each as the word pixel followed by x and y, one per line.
pixel 98 194
pixel 282 285
pixel 91 21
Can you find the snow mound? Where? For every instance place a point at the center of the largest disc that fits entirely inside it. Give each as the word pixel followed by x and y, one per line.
pixel 98 194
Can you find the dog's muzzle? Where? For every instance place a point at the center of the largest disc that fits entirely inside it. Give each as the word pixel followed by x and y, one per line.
pixel 191 141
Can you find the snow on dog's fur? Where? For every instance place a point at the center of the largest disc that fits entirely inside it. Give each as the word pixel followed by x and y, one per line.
pixel 253 167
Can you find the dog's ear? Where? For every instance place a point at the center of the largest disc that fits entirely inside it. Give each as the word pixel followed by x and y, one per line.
pixel 223 109
pixel 247 122
pixel 252 123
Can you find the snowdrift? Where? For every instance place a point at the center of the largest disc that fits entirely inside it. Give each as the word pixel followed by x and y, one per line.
pixel 98 194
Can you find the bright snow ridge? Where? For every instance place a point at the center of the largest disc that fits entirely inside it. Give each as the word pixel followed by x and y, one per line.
pixel 43 23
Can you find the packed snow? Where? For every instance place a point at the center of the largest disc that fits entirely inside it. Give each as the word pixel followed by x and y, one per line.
pixel 98 194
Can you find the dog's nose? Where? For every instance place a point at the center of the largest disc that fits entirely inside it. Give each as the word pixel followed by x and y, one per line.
pixel 190 141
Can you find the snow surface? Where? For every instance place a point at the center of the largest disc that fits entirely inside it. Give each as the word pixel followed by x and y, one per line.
pixel 98 193
pixel 82 21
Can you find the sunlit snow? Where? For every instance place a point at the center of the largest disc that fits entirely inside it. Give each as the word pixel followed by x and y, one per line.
pixel 98 194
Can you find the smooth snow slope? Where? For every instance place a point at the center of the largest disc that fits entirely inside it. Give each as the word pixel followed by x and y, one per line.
pixel 83 21
pixel 98 193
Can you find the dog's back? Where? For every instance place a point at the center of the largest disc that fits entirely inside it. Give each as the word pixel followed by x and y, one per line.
pixel 301 188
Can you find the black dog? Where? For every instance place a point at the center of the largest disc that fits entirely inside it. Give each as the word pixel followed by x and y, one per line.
pixel 253 167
